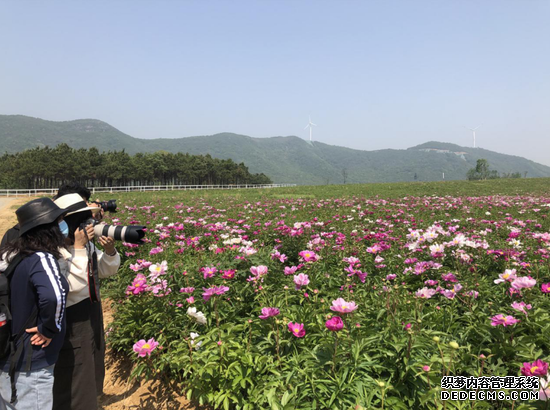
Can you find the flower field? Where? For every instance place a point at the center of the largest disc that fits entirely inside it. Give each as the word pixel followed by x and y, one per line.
pixel 336 298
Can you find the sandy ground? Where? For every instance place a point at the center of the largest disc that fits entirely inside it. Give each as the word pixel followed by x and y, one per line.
pixel 7 212
pixel 119 392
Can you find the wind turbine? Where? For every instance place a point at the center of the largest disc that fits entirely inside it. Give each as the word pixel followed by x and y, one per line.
pixel 474 133
pixel 310 125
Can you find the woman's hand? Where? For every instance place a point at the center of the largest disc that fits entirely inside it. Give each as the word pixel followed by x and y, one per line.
pixel 38 339
pixel 81 237
pixel 108 245
pixel 98 216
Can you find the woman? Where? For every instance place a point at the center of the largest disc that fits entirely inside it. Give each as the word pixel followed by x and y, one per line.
pixel 80 370
pixel 37 291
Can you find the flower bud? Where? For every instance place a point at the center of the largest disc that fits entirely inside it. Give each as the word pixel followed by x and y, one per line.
pixel 436 339
pixel 454 345
pixel 381 384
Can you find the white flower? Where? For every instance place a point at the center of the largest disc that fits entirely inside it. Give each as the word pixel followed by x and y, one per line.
pixel 430 235
pixel 247 250
pixel 544 392
pixel 459 240
pixel 198 316
pixel 437 248
pixel 425 293
pixel 193 337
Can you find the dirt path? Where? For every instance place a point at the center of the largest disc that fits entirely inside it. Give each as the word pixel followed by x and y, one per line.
pixel 7 212
pixel 119 392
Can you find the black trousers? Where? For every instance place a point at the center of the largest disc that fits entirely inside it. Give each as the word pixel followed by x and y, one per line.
pixel 80 370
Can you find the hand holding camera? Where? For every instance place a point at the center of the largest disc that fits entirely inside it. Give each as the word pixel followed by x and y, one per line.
pixel 83 235
pixel 108 245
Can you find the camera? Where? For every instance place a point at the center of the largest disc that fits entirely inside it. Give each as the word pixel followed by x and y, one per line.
pixel 131 233
pixel 107 206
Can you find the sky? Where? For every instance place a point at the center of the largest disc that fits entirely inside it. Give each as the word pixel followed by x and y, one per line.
pixel 372 74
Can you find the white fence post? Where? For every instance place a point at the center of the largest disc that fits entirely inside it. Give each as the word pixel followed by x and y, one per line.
pixel 141 188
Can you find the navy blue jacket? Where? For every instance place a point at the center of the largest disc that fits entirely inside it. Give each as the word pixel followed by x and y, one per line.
pixel 37 283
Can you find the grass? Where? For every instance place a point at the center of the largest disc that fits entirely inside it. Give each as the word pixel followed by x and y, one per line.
pixel 528 186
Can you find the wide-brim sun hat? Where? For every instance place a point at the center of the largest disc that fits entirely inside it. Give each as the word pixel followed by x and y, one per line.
pixel 74 203
pixel 38 212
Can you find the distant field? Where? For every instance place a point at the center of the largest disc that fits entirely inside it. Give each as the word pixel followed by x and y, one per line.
pixel 534 186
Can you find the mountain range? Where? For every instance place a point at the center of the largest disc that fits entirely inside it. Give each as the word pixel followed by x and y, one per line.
pixel 283 159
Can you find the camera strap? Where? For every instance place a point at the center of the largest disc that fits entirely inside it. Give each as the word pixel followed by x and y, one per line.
pixel 93 276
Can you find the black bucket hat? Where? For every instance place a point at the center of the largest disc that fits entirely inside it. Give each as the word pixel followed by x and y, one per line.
pixel 38 212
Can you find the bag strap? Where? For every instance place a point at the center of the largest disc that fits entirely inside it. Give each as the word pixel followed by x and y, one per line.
pixel 93 275
pixel 12 265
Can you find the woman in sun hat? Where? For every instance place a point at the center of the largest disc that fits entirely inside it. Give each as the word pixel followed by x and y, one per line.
pixel 80 370
pixel 37 305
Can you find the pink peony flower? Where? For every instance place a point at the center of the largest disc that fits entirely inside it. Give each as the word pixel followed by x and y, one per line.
pixel 451 293
pixel 216 290
pixel 297 329
pixel 290 270
pixel 309 256
pixel 425 293
pixel 144 348
pixel 137 267
pixel 190 300
pixel 228 274
pixel 545 288
pixel 341 306
pixel 523 282
pixel 269 312
pixel 503 320
pixel 187 290
pixel 449 277
pixel 156 250
pixel 208 271
pixel 537 368
pixel 334 324
pixel 277 255
pixel 351 260
pixel 508 276
pixel 157 270
pixel 139 285
pixel 301 280
pixel 521 307
pixel 258 270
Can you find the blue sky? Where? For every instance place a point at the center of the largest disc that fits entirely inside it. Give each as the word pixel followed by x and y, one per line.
pixel 372 74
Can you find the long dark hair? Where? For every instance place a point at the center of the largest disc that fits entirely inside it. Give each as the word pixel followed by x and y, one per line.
pixel 43 238
pixel 74 221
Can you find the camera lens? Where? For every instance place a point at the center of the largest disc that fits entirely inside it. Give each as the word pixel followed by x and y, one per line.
pixel 130 233
pixel 108 206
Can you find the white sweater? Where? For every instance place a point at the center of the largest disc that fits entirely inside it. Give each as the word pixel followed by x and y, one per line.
pixel 74 266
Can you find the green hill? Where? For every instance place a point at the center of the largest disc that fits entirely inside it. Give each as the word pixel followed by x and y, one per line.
pixel 283 159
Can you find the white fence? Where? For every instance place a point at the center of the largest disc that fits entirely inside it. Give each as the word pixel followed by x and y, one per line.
pixel 114 189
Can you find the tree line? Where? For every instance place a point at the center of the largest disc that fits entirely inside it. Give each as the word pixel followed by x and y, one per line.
pixel 482 172
pixel 51 167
